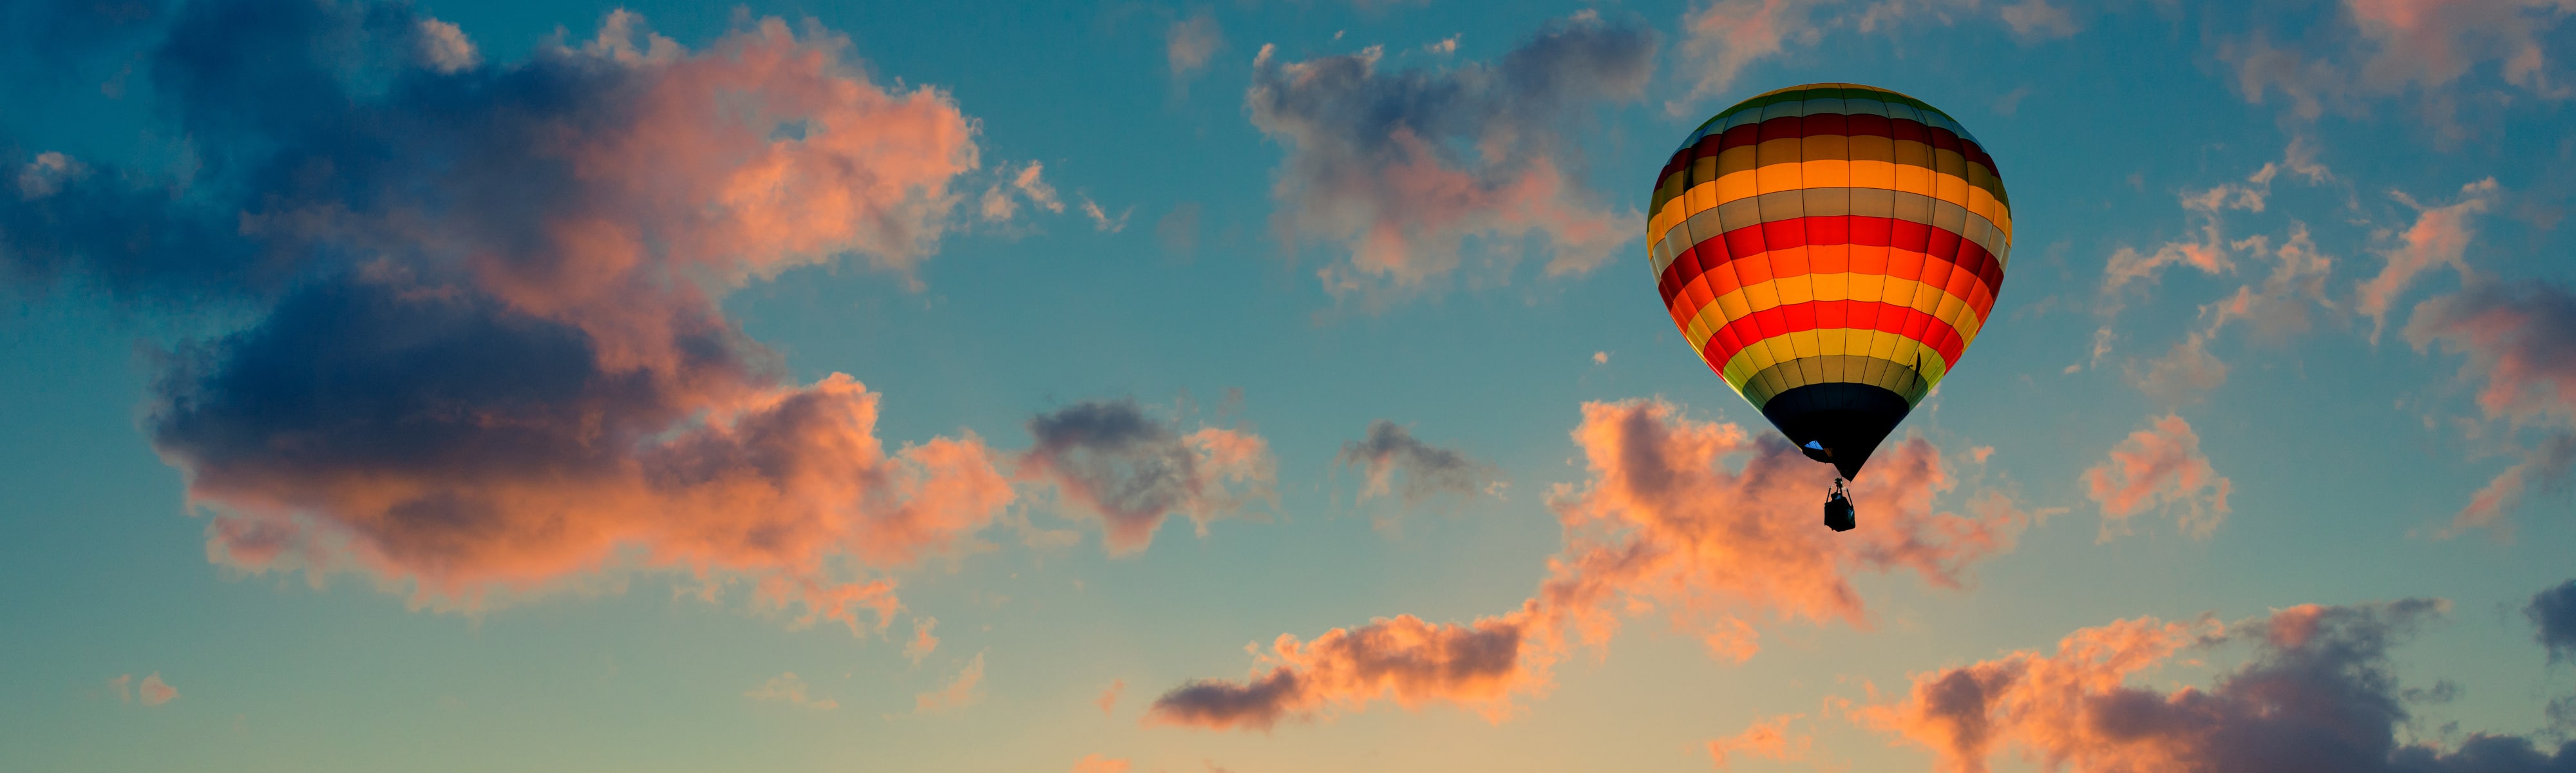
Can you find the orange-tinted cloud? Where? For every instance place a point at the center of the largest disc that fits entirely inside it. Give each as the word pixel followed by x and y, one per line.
pixel 1664 521
pixel 1403 658
pixel 2159 466
pixel 1109 698
pixel 484 354
pixel 1094 763
pixel 1766 738
pixel 923 641
pixel 959 693
pixel 1111 461
pixel 2437 238
pixel 1378 164
pixel 2520 347
pixel 154 692
pixel 2319 694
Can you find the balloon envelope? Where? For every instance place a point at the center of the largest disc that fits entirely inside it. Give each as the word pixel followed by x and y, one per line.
pixel 1830 250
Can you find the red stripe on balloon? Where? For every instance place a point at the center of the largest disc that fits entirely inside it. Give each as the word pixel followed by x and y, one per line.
pixel 1827 315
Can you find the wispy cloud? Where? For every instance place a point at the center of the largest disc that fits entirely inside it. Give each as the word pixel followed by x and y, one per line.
pixel 790 689
pixel 965 690
pixel 1130 470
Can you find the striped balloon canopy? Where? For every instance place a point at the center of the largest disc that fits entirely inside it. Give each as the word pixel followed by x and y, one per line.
pixel 1830 250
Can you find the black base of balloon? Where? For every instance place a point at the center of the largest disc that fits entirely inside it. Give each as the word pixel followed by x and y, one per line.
pixel 1846 421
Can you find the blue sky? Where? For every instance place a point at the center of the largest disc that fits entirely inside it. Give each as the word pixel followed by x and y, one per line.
pixel 2403 360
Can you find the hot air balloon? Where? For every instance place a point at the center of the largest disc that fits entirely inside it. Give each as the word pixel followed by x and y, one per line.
pixel 1830 250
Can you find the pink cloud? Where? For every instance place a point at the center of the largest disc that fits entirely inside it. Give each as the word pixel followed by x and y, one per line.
pixel 2439 237
pixel 2383 48
pixel 1725 36
pixel 1189 44
pixel 2159 466
pixel 2519 344
pixel 1663 521
pixel 154 692
pixel 1402 170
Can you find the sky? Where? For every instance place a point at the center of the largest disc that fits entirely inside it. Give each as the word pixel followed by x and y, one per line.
pixel 1257 387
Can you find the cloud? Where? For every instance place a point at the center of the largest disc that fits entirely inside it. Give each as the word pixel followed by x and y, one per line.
pixel 1094 763
pixel 1109 698
pixel 2553 620
pixel 1414 662
pixel 1101 220
pixel 479 351
pixel 2280 306
pixel 1766 738
pixel 1428 470
pixel 1663 521
pixel 2320 693
pixel 2439 237
pixel 1130 470
pixel 2186 374
pixel 45 175
pixel 2520 344
pixel 923 643
pixel 444 48
pixel 789 689
pixel 2382 48
pixel 1000 201
pixel 122 685
pixel 2036 19
pixel 957 695
pixel 1402 170
pixel 2160 466
pixel 1188 45
pixel 1725 36
pixel 154 692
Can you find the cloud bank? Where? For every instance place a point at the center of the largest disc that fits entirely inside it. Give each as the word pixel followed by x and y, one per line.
pixel 484 354
pixel 1665 520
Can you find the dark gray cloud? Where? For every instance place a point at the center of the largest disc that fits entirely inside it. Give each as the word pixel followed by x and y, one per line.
pixel 2553 618
pixel 1416 661
pixel 1131 470
pixel 1428 470
pixel 2320 694
pixel 1400 168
